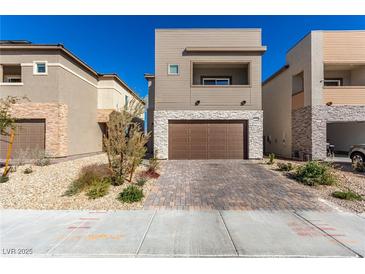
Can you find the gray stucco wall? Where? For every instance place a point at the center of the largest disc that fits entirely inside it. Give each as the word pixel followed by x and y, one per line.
pixel 255 127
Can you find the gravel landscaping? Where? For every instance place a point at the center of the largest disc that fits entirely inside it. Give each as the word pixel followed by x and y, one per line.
pixel 44 187
pixel 348 179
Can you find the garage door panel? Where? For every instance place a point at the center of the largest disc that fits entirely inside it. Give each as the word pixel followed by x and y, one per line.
pixel 207 139
pixel 29 135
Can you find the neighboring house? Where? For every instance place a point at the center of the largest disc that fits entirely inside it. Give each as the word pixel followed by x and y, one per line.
pixel 205 96
pixel 318 97
pixel 69 102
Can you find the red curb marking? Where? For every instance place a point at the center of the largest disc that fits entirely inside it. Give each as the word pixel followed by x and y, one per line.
pixel 74 227
pixel 327 228
pixel 89 219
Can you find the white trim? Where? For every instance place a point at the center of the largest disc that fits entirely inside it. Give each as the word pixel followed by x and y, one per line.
pixel 173 74
pixel 35 72
pixel 11 84
pixel 216 79
pixel 65 68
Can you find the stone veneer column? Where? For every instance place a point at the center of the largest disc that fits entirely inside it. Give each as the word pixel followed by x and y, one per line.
pixel 255 127
pixel 55 116
pixel 302 132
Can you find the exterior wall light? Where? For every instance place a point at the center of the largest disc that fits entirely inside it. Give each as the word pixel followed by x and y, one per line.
pixel 243 103
pixel 197 102
pixel 329 104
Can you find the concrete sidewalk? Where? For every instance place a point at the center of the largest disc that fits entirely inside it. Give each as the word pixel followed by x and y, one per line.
pixel 180 233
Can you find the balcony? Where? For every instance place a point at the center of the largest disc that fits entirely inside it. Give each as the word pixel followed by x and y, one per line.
pixel 221 84
pixel 344 84
pixel 344 95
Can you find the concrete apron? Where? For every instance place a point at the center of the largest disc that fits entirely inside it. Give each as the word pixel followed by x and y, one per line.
pixel 179 233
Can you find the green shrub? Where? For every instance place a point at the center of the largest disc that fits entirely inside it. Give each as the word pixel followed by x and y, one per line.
pixel 131 194
pixel 315 173
pixel 42 162
pixel 141 180
pixel 98 188
pixel 28 170
pixel 347 195
pixel 271 159
pixel 3 179
pixel 285 166
pixel 87 176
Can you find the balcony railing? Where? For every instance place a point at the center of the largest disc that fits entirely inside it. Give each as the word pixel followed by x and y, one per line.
pixel 344 95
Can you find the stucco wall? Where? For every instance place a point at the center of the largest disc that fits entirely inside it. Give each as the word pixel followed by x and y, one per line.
pixel 255 127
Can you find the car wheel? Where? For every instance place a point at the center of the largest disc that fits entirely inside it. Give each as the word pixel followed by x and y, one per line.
pixel 358 158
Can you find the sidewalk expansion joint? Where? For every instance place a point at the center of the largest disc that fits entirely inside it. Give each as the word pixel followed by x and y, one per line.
pixel 145 234
pixel 229 234
pixel 326 234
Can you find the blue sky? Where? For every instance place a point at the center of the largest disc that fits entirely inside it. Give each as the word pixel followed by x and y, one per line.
pixel 125 44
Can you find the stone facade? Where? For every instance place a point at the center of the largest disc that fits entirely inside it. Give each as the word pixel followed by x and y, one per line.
pixel 309 127
pixel 302 132
pixel 55 116
pixel 255 127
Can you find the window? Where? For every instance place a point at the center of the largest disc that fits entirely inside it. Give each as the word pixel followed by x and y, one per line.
pixel 12 74
pixel 298 83
pixel 330 82
pixel 216 81
pixel 126 101
pixel 173 69
pixel 40 68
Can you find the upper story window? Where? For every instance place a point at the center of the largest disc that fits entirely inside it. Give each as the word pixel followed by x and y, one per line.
pixel 220 74
pixel 173 69
pixel 216 81
pixel 298 83
pixel 12 73
pixel 126 100
pixel 40 68
pixel 331 82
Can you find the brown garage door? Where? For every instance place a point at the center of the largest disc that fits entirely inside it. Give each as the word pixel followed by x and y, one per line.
pixel 29 135
pixel 207 139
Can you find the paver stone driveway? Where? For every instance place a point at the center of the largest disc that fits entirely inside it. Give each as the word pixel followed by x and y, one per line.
pixel 227 184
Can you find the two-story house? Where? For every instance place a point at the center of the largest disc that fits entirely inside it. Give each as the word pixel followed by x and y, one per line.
pixel 69 102
pixel 205 96
pixel 318 98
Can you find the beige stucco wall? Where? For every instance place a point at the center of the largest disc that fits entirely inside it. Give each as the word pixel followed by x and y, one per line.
pixel 176 92
pixel 276 102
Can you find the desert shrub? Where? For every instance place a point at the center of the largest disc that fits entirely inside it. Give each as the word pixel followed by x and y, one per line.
pixel 359 167
pixel 3 179
pixel 315 173
pixel 40 158
pixel 285 166
pixel 98 188
pixel 271 159
pixel 87 176
pixel 28 170
pixel 131 194
pixel 153 166
pixel 125 142
pixel 141 180
pixel 347 195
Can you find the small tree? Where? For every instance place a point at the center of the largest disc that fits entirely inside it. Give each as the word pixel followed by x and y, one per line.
pixel 125 142
pixel 6 120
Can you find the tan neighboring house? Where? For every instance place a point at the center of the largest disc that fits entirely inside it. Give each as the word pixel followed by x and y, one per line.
pixel 205 96
pixel 318 97
pixel 69 102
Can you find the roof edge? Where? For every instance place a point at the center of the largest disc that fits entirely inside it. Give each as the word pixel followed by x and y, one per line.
pixel 275 74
